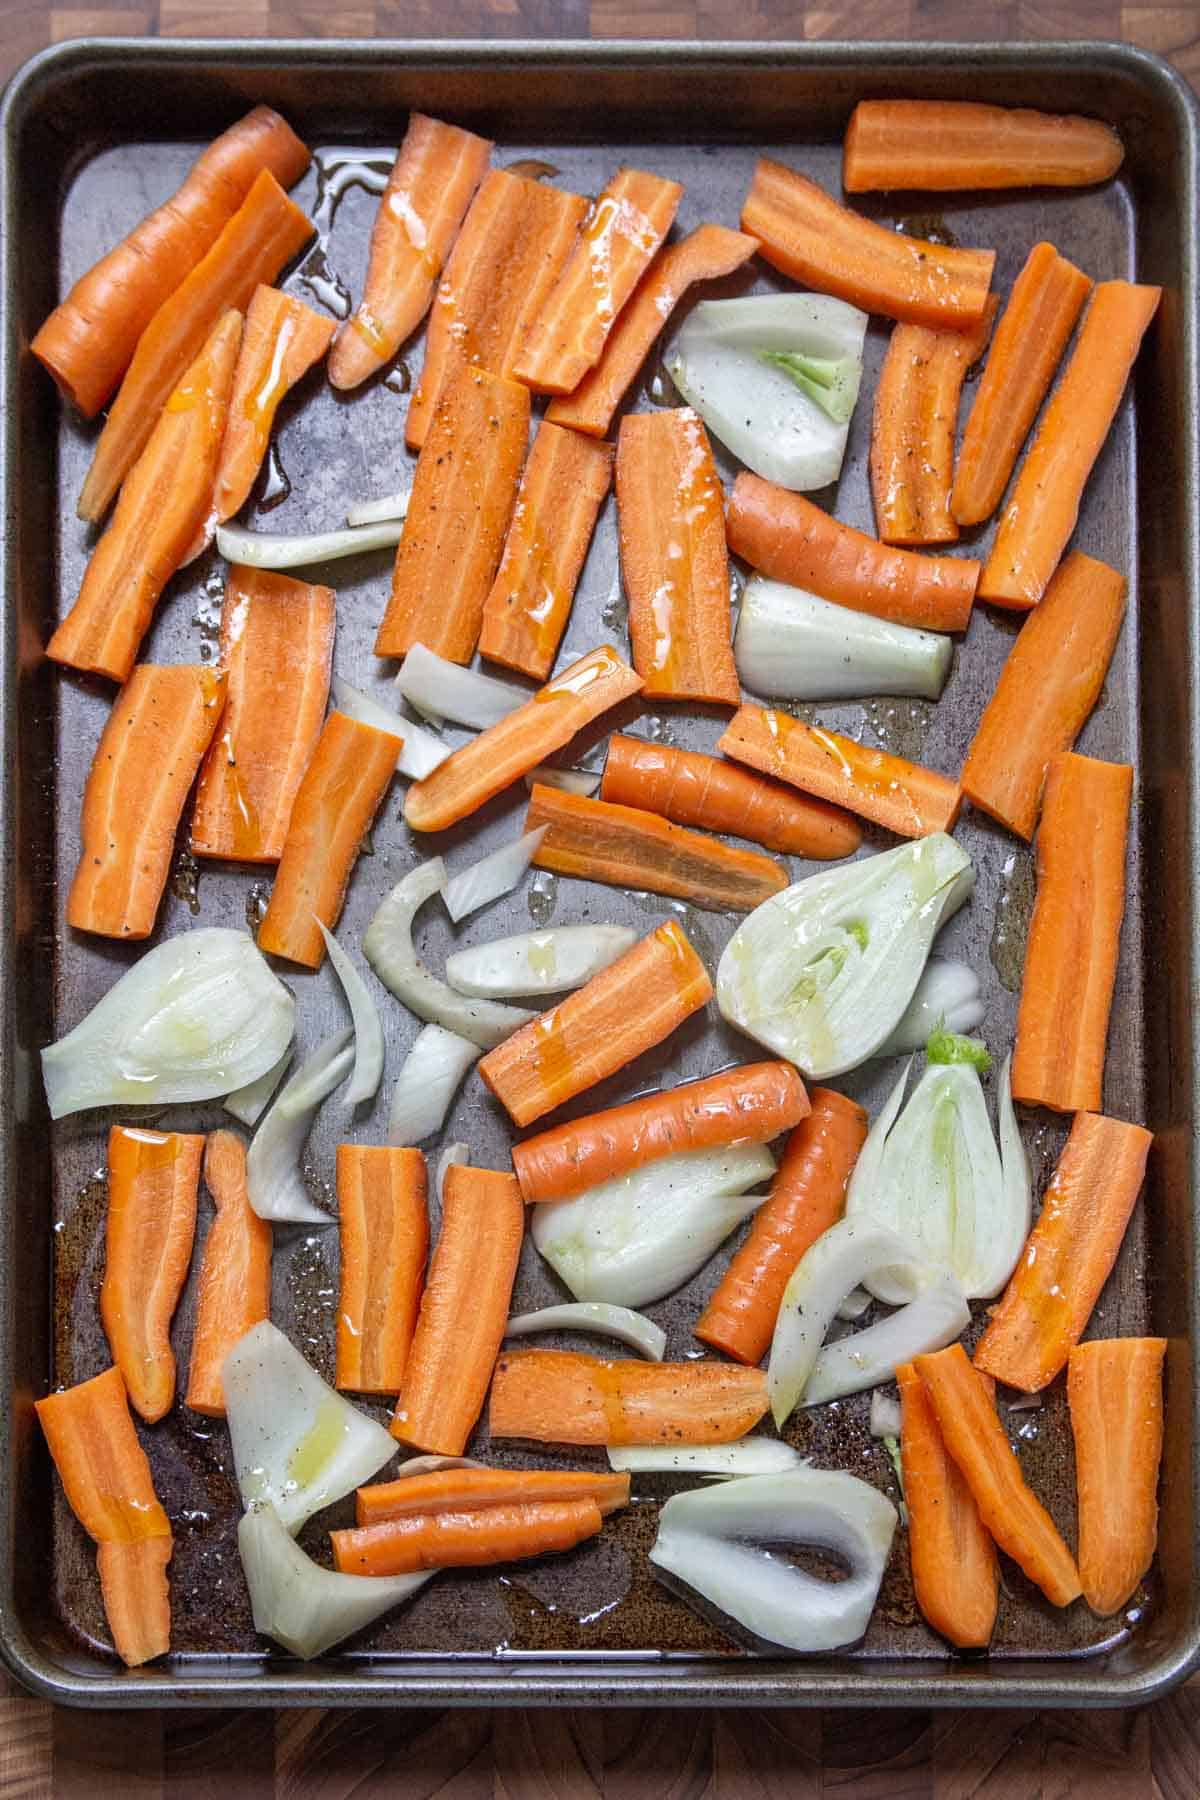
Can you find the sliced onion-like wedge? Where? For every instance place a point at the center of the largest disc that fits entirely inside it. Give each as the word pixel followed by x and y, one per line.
pixel 445 690
pixel 368 1032
pixel 538 962
pixel 791 644
pixel 419 753
pixel 454 1156
pixel 274 1183
pixel 492 876
pixel 249 1103
pixel 374 512
pixel 854 1305
pixel 628 1327
pixel 275 550
pixel 948 997
pixel 883 1420
pixel 754 1455
pixel 571 781
pixel 932 1319
pixel 433 1072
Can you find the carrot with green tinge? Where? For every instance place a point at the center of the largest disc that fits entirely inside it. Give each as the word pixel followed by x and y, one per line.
pixel 565 1397
pixel 945 145
pixel 506 1532
pixel 1114 1387
pixel 282 340
pixel 235 1274
pixel 472 1489
pixel 955 1572
pixel 383 1235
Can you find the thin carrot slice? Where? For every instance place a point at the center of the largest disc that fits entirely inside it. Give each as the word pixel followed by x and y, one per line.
pixel 808 1195
pixel 1070 1252
pixel 627 224
pixel 628 1008
pixel 161 724
pixel 454 1540
pixel 565 1397
pixel 164 504
pixel 420 212
pixel 468 1490
pixel 1074 935
pixel 235 1274
pixel 955 1572
pixel 810 237
pixel 704 255
pixel 674 564
pixel 791 540
pixel 1041 515
pixel 277 652
pixel 89 339
pixel 152 1182
pixel 383 1230
pixel 506 751
pixel 137 1598
pixel 1046 300
pixel 334 806
pixel 464 1310
pixel 944 145
pixel 282 340
pixel 1047 688
pixel 1114 1387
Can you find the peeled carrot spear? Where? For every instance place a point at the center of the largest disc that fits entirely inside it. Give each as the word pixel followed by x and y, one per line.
pixel 628 1008
pixel 674 564
pixel 235 1274
pixel 1041 515
pixel 955 1574
pixel 164 503
pixel 383 1231
pixel 1074 935
pixel 89 339
pixel 943 145
pixel 276 651
pixel 1071 1250
pixel 420 211
pixel 282 340
pixel 161 724
pixel 464 1310
pixel 562 489
pixel 807 235
pixel 455 1540
pixel 504 752
pixel 565 1397
pixel 790 539
pixel 1047 688
pixel 808 1195
pixel 332 813
pixel 469 1490
pixel 152 1181
pixel 1114 1387
pixel 1045 302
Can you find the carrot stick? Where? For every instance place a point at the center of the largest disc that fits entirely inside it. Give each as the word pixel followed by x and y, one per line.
pixel 1074 935
pixel 1071 1250
pixel 596 841
pixel 1041 515
pixel 467 1490
pixel 562 489
pixel 955 1574
pixel 504 752
pixel 807 235
pixel 420 212
pixel 463 493
pixel 1114 1387
pixel 1047 688
pixel 790 539
pixel 628 1008
pixel 235 1274
pixel 1045 302
pixel 674 563
pixel 704 255
pixel 334 806
pixel 906 797
pixel 565 1397
pixel 282 340
pixel 383 1230
pixel 137 1598
pixel 464 1310
pixel 808 1195
pixel 972 1433
pixel 89 339
pixel 161 724
pixel 164 504
pixel 945 145
pixel 455 1540
pixel 512 248
pixel 748 1105
pixel 152 1181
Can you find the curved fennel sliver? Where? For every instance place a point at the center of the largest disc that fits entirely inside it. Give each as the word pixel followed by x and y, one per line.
pixel 620 1322
pixel 419 752
pixel 753 1455
pixel 274 1183
pixel 368 1032
pixel 933 1318
pixel 537 962
pixel 278 550
pixel 432 1073
pixel 304 1608
pixel 792 645
pixel 492 876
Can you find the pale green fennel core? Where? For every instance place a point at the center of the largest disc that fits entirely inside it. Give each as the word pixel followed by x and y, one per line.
pixel 951 1047
pixel 829 383
pixel 827 965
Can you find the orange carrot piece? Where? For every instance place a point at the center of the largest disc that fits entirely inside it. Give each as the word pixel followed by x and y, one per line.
pixel 469 1490
pixel 628 1008
pixel 1047 688
pixel 1045 302
pixel 806 234
pixel 808 1195
pixel 1071 1250
pixel 235 1274
pixel 137 1598
pixel 790 539
pixel 277 652
pixel 566 1397
pixel 945 145
pixel 504 752
pixel 906 797
pixel 972 1433
pixel 455 1540
pixel 464 1310
pixel 420 211
pixel 282 340
pixel 161 724
pixel 1114 1387
pixel 627 224
pixel 89 339
pixel 955 1572
pixel 334 806
pixel 1074 935
pixel 164 504
pixel 1041 515
pixel 704 255
pixel 383 1230
pixel 674 563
